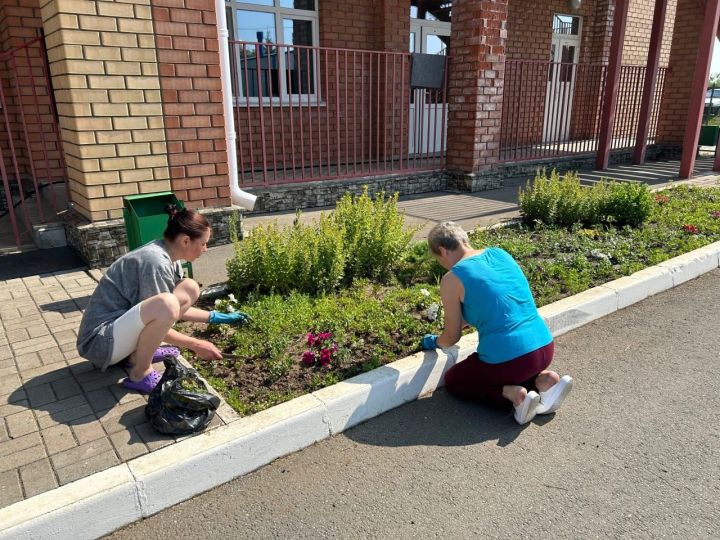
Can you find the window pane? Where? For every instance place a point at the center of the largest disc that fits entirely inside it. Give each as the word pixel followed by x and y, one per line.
pixel 298 4
pixel 300 62
pixel 436 44
pixel 255 26
pixel 257 64
pixel 412 42
pixel 259 2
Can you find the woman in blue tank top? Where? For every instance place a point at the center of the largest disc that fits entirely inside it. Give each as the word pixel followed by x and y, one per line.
pixel 487 289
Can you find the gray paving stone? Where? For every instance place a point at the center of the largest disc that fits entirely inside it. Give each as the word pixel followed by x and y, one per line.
pixel 28 361
pixel 10 489
pixel 69 347
pixel 8 401
pixel 86 467
pixel 124 416
pixel 5 352
pixel 33 345
pixel 37 477
pixel 95 380
pixel 40 395
pixel 128 444
pixel 80 365
pixel 65 388
pixel 101 399
pixel 123 395
pixel 4 436
pixel 9 370
pixel 45 374
pixel 51 355
pixel 80 453
pixel 10 314
pixel 67 416
pixel 23 457
pixel 58 439
pixel 28 310
pixel 9 384
pixel 152 437
pixel 18 444
pixel 88 428
pixel 65 336
pixel 16 336
pixel 21 423
pixel 37 331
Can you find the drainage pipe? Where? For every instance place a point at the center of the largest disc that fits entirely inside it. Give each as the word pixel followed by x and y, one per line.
pixel 237 195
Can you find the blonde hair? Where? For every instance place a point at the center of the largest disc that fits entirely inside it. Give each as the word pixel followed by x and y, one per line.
pixel 447 234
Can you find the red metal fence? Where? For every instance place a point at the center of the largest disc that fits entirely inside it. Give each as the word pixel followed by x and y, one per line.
pixel 315 113
pixel 34 183
pixel 552 109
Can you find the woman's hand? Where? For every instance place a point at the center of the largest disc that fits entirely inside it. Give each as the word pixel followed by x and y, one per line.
pixel 206 350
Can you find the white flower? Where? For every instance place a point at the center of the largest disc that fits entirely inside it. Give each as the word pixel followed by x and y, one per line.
pixel 424 292
pixel 230 309
pixel 217 302
pixel 232 298
pixel 432 312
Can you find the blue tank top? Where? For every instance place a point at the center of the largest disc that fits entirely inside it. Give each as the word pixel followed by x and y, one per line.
pixel 499 304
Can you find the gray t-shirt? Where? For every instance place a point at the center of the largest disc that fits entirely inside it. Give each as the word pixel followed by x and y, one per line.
pixel 134 277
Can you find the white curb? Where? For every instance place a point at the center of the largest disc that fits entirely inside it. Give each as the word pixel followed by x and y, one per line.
pixel 101 503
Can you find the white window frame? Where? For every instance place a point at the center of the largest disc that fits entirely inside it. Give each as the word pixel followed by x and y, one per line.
pixel 280 13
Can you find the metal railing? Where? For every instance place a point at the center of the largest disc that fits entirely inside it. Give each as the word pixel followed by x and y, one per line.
pixel 32 167
pixel 552 108
pixel 315 113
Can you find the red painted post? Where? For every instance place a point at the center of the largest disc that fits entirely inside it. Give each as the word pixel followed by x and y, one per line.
pixel 651 73
pixel 611 84
pixel 697 96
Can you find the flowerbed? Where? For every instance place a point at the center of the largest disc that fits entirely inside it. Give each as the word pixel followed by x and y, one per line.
pixel 299 342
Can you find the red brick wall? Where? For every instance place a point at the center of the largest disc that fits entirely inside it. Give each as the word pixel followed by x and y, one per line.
pixel 683 57
pixel 20 22
pixel 638 29
pixel 189 67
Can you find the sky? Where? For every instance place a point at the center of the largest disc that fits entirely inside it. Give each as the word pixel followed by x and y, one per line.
pixel 715 64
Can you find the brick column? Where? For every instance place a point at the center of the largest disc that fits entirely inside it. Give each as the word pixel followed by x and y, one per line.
pixel 105 75
pixel 675 105
pixel 476 87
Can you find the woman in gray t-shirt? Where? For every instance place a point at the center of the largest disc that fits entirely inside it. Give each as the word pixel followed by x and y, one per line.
pixel 142 295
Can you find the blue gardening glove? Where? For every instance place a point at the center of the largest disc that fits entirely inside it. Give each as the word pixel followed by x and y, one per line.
pixel 429 342
pixel 238 317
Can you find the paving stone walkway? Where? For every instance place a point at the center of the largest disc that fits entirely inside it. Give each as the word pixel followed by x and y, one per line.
pixel 60 419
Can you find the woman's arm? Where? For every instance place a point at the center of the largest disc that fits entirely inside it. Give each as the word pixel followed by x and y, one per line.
pixel 194 314
pixel 451 292
pixel 204 349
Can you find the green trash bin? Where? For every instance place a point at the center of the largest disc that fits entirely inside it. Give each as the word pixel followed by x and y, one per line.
pixel 146 219
pixel 709 135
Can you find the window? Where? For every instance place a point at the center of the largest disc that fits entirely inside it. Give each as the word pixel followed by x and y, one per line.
pixel 270 41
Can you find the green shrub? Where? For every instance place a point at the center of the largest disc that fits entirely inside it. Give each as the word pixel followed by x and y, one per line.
pixel 307 258
pixel 374 235
pixel 361 238
pixel 623 203
pixel 562 202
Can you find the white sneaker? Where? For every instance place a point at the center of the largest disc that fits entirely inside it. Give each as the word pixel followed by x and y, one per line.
pixel 526 411
pixel 552 398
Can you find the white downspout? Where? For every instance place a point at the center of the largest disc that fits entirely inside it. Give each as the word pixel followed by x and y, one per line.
pixel 237 195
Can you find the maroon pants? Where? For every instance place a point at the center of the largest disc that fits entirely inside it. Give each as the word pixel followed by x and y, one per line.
pixel 473 378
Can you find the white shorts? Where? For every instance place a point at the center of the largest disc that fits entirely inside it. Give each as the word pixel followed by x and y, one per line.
pixel 126 333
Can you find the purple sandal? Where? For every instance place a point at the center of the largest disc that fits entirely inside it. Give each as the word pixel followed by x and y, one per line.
pixel 160 353
pixel 146 385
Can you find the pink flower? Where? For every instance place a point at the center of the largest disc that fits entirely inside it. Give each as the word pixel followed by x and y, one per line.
pixel 691 229
pixel 310 339
pixel 716 215
pixel 322 336
pixel 325 357
pixel 308 358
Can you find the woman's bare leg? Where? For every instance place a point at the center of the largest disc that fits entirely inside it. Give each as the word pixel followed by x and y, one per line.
pixel 546 380
pixel 158 314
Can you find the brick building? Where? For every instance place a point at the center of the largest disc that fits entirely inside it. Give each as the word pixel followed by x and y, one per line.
pixel 308 94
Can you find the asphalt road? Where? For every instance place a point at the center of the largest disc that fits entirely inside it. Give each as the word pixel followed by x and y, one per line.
pixel 633 453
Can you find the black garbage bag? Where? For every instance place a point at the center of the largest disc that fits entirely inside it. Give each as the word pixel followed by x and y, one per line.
pixel 180 404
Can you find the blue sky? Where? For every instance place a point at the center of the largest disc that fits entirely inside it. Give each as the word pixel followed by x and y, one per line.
pixel 715 65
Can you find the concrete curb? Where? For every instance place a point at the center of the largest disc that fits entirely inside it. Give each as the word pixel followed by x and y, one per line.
pixel 106 501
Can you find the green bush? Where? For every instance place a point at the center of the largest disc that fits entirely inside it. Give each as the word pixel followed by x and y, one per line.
pixel 561 201
pixel 623 203
pixel 307 258
pixel 374 235
pixel 361 238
